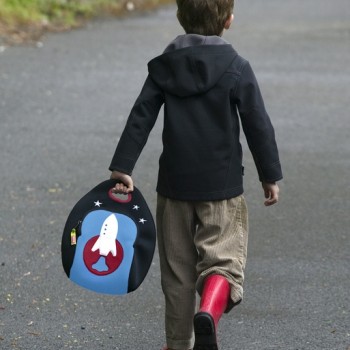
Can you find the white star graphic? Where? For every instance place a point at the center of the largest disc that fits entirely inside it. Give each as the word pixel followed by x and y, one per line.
pixel 142 221
pixel 98 203
pixel 135 207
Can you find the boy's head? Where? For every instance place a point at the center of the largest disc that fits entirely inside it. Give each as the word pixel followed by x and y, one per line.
pixel 205 17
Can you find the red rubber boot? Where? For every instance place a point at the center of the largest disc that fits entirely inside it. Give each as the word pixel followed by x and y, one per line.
pixel 215 297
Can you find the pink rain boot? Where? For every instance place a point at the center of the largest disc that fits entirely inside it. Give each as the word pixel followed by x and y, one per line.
pixel 215 297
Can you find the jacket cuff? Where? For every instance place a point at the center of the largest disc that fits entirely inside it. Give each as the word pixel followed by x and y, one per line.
pixel 271 174
pixel 124 165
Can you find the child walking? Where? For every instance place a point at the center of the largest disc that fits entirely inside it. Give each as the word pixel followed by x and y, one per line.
pixel 202 222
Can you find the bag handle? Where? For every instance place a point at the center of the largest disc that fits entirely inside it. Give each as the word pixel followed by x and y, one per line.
pixel 119 197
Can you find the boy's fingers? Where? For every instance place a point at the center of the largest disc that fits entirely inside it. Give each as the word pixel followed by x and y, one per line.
pixel 125 184
pixel 271 191
pixel 121 188
pixel 117 188
pixel 270 202
pixel 129 189
pixel 272 199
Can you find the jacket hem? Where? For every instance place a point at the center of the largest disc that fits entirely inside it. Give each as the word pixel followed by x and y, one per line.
pixel 201 196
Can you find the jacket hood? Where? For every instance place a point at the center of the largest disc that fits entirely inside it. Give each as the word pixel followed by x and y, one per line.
pixel 191 64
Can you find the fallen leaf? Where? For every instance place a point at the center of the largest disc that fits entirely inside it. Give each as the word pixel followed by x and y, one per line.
pixel 34 333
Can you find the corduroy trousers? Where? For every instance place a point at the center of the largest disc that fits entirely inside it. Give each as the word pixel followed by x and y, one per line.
pixel 197 239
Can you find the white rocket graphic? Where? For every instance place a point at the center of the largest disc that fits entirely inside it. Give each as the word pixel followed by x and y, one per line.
pixel 106 243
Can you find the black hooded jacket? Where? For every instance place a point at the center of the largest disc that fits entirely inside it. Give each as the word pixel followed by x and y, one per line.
pixel 205 87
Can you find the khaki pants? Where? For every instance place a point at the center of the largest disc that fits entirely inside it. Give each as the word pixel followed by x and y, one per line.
pixel 197 239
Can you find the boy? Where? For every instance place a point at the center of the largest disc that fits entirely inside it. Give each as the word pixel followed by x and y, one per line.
pixel 202 228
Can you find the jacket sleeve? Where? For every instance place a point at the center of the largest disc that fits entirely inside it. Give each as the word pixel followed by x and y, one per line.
pixel 138 127
pixel 257 126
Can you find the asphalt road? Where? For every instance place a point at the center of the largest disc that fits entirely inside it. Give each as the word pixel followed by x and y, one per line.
pixel 63 105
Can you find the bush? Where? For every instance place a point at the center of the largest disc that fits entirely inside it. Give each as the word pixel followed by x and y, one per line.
pixel 23 20
pixel 56 12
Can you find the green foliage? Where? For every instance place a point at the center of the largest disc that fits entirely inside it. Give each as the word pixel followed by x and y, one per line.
pixel 20 11
pixel 63 12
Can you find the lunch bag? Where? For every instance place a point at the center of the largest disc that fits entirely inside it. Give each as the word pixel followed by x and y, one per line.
pixel 108 241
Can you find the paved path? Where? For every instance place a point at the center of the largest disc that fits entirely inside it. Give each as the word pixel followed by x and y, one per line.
pixel 62 108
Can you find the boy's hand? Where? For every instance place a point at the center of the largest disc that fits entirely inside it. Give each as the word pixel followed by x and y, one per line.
pixel 271 191
pixel 127 184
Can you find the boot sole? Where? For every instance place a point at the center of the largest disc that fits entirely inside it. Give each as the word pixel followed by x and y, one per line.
pixel 205 333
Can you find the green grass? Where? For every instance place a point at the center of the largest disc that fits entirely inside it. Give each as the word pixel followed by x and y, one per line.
pixel 53 12
pixel 26 20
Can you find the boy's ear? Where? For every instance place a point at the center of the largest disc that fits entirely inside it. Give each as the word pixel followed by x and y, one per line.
pixel 229 22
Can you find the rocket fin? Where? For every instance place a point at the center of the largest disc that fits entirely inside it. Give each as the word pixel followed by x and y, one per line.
pixel 96 245
pixel 114 249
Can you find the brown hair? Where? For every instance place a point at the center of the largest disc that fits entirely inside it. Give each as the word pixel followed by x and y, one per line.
pixel 204 17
